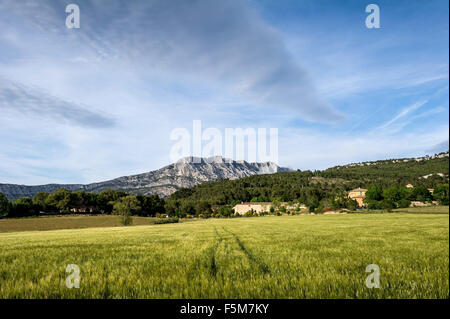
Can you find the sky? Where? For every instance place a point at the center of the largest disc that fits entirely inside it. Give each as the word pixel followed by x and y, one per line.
pixel 93 103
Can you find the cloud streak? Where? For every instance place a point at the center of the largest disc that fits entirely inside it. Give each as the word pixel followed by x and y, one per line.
pixel 403 113
pixel 34 102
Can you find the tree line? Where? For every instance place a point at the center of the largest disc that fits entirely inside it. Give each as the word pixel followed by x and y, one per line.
pixel 80 202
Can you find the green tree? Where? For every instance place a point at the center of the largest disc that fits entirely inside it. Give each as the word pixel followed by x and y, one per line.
pixel 374 192
pixel 421 193
pixel 171 207
pixel 5 206
pixel 125 207
pixel 258 199
pixel 60 199
pixel 22 207
pixel 352 204
pixel 150 205
pixel 204 208
pixel 392 194
pixel 225 211
pixel 441 194
pixel 105 200
pixel 403 203
pixel 40 200
pixel 374 204
pixel 388 204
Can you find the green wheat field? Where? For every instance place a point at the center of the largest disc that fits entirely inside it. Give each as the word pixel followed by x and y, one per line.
pixel 311 256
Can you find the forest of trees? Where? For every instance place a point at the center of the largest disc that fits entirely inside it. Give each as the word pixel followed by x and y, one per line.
pixel 65 201
pixel 393 172
pixel 400 197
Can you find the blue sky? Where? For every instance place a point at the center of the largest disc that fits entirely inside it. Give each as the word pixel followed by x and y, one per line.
pixel 90 104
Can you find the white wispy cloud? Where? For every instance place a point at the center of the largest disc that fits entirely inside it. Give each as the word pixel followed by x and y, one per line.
pixel 404 112
pixel 26 100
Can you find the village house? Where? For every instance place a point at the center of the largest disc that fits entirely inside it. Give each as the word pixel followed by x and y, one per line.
pixel 84 209
pixel 257 207
pixel 260 207
pixel 423 204
pixel 358 194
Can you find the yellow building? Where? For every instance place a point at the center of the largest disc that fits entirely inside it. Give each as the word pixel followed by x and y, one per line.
pixel 261 207
pixel 257 207
pixel 358 194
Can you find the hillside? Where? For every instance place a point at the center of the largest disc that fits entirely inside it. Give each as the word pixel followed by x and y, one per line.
pixel 187 172
pixel 406 168
pixel 307 186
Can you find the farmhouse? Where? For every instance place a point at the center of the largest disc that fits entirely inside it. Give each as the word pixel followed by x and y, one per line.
pixel 358 194
pixel 259 207
pixel 84 209
pixel 415 203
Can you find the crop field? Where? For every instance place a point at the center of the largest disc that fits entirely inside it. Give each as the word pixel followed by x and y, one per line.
pixel 311 256
pixel 65 222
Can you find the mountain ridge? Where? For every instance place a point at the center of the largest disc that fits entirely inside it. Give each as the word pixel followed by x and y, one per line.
pixel 186 172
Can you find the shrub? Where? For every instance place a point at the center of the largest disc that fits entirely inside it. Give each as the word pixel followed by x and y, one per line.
pixel 387 204
pixel 169 220
pixel 373 204
pixel 403 203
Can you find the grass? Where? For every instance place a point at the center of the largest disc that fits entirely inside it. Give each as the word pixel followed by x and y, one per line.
pixel 311 256
pixel 425 210
pixel 408 210
pixel 65 222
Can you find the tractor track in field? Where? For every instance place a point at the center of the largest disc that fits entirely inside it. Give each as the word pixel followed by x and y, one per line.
pixel 253 259
pixel 206 261
pixel 212 264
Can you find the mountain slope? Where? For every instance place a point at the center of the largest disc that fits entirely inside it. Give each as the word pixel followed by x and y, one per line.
pixel 403 167
pixel 187 172
pixel 308 186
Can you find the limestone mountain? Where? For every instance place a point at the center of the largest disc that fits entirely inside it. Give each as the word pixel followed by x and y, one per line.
pixel 187 172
